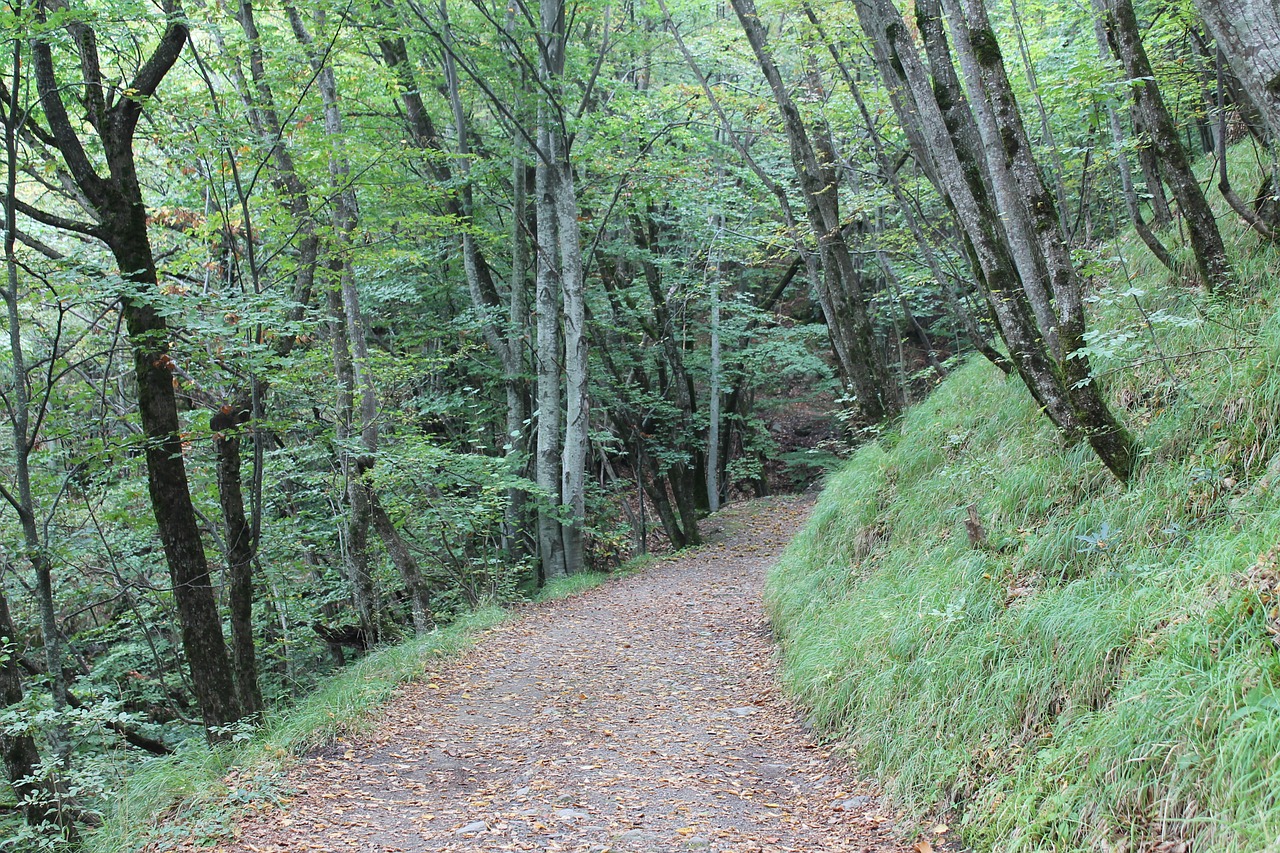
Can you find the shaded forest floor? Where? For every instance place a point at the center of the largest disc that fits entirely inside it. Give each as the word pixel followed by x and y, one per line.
pixel 639 716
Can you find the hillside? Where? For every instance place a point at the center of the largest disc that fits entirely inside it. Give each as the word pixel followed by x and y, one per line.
pixel 1075 663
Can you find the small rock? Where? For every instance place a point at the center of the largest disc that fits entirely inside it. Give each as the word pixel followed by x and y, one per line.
pixel 696 842
pixel 772 771
pixel 476 826
pixel 571 815
pixel 523 792
pixel 636 835
pixel 855 803
pixel 744 711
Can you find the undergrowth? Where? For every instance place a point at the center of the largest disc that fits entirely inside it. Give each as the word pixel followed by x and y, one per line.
pixel 1075 664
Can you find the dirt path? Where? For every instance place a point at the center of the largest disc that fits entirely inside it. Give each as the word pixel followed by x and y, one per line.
pixel 640 716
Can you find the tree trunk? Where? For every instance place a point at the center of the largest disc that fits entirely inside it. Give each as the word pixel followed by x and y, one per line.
pixel 410 573
pixel 1248 34
pixel 1124 37
pixel 862 362
pixel 548 462
pixel 17 748
pixel 980 56
pixel 122 224
pixel 945 125
pixel 240 548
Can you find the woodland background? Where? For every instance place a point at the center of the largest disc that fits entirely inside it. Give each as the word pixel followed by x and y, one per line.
pixel 329 323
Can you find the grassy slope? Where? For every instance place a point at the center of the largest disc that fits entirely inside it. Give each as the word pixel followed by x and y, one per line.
pixel 1102 675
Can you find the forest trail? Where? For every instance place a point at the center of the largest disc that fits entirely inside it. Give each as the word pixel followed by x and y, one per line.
pixel 639 716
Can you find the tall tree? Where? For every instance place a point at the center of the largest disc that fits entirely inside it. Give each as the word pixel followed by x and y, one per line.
pixel 119 219
pixel 843 302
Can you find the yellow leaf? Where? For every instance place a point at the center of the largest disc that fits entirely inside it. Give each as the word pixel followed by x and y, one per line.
pixel 922 847
pixel 940 828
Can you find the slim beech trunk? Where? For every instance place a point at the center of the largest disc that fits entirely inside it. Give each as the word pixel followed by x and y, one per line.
pixel 117 205
pixel 907 208
pixel 240 547
pixel 547 363
pixel 1131 204
pixel 861 360
pixel 578 409
pixel 1124 37
pixel 980 124
pixel 355 539
pixel 945 126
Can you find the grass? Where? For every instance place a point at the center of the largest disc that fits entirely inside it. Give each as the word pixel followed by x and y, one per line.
pixel 1101 674
pixel 198 791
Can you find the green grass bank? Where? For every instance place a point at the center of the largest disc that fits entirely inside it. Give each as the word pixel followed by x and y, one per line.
pixel 1099 671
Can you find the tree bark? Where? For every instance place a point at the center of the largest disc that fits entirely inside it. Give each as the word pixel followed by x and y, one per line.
pixel 120 212
pixel 843 304
pixel 1124 37
pixel 1248 34
pixel 240 550
pixel 981 58
pixel 945 125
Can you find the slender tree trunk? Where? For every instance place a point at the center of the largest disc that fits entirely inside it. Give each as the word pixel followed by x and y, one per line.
pixel 240 548
pixel 416 586
pixel 578 411
pixel 548 462
pixel 980 55
pixel 862 362
pixel 1123 35
pixel 944 124
pixel 1126 173
pixel 122 224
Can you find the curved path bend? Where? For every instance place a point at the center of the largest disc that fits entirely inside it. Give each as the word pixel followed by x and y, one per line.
pixel 640 716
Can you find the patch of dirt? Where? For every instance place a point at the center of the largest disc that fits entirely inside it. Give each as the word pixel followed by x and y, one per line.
pixel 641 716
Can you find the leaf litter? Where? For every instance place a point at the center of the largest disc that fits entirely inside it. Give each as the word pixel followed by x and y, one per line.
pixel 642 716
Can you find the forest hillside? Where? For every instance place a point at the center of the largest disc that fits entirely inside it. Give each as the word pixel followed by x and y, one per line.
pixel 1001 632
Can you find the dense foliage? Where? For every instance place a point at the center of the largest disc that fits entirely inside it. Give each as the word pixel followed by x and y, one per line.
pixel 329 323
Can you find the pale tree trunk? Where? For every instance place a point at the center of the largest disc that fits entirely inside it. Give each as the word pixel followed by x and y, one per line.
pixel 19 751
pixel 365 508
pixel 1021 243
pixel 908 209
pixel 559 278
pixel 981 59
pixel 578 409
pixel 548 461
pixel 1124 38
pixel 861 360
pixel 944 124
pixel 716 221
pixel 1248 34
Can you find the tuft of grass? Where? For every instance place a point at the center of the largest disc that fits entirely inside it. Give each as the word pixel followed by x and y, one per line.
pixel 1100 673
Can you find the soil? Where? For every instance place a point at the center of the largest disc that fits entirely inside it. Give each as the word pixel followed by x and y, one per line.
pixel 639 716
